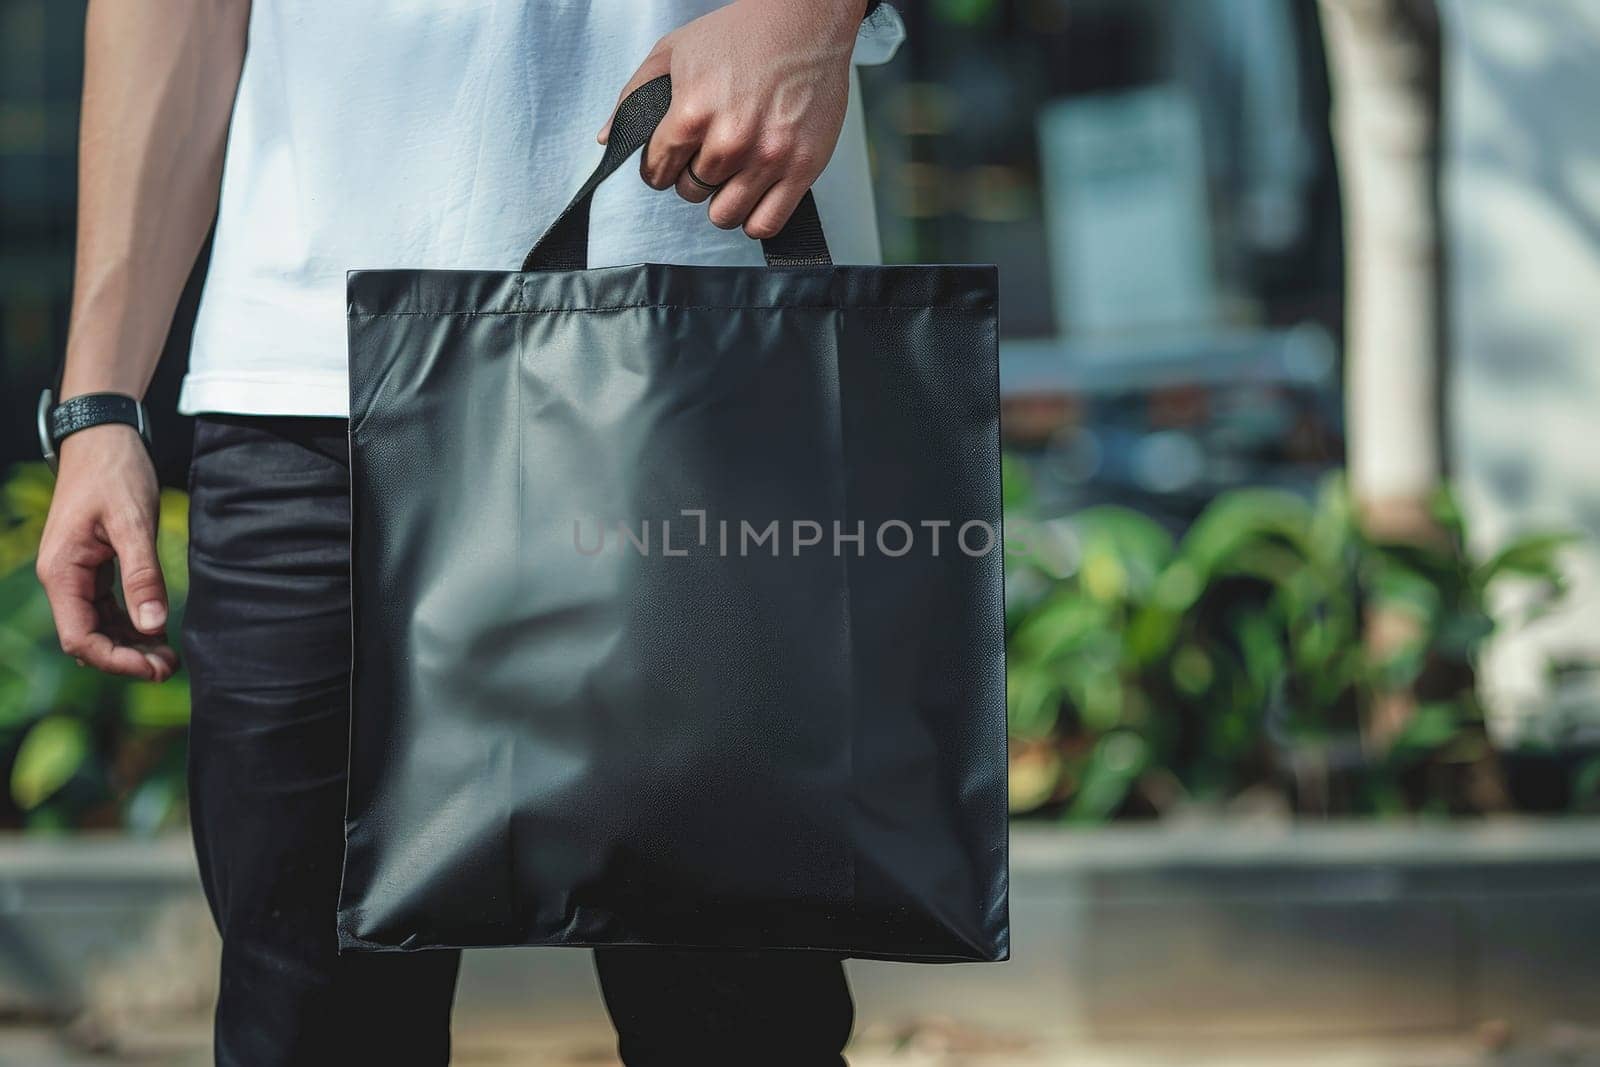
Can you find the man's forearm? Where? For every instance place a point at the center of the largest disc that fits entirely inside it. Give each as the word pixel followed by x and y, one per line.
pixel 159 82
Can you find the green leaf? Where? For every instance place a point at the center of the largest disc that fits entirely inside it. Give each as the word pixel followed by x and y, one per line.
pixel 1033 700
pixel 1244 520
pixel 1534 556
pixel 172 546
pixel 24 501
pixel 1332 536
pixel 1192 670
pixel 157 705
pixel 1123 552
pixel 1399 588
pixel 1429 728
pixel 1261 645
pixel 1115 764
pixel 15 708
pixel 1016 483
pixel 1098 692
pixel 1150 635
pixel 1179 586
pixel 1446 510
pixel 52 751
pixel 1063 626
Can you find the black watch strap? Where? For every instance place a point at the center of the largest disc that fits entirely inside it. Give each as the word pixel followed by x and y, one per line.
pixel 57 422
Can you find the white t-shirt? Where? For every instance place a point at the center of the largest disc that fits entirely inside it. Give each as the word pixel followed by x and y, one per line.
pixel 439 134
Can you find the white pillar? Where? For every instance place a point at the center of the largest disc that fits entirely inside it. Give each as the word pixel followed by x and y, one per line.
pixel 1382 62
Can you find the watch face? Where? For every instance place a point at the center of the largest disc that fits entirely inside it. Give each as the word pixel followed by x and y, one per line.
pixel 46 446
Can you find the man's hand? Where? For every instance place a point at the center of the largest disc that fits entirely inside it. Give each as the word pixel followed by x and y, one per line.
pixel 158 88
pixel 759 90
pixel 104 511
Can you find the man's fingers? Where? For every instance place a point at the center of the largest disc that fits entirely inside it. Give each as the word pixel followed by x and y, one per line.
pixel 657 63
pixel 681 137
pixel 133 539
pixel 689 190
pixel 70 590
pixel 736 199
pixel 664 157
pixel 770 215
pixel 115 624
pixel 714 154
pixel 164 659
pixel 102 653
pixel 91 627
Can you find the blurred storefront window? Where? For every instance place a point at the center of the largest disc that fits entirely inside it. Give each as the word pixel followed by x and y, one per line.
pixel 41 75
pixel 41 68
pixel 1156 182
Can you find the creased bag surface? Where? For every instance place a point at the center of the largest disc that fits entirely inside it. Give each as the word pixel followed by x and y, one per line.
pixel 678 606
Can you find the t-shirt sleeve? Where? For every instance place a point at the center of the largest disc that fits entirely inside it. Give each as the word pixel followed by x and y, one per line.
pixel 879 37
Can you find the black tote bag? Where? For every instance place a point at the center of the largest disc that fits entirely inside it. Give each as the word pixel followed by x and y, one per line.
pixel 677 602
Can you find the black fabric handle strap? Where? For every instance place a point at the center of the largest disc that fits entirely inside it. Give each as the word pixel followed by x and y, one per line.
pixel 565 245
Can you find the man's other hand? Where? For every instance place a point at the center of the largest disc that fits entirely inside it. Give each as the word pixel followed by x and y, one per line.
pixel 104 512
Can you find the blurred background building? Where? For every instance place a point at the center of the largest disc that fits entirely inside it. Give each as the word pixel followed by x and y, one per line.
pixel 40 75
pixel 1522 383
pixel 1155 180
pixel 1157 184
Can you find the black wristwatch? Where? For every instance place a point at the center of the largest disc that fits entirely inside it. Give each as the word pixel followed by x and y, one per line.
pixel 60 421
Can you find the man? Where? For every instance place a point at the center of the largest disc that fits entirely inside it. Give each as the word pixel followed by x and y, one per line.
pixel 384 133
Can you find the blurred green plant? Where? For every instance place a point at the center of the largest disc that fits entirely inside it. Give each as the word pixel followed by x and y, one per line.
pixel 81 749
pixel 965 12
pixel 1237 666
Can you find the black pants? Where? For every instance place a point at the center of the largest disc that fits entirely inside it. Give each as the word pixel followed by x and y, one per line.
pixel 267 641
